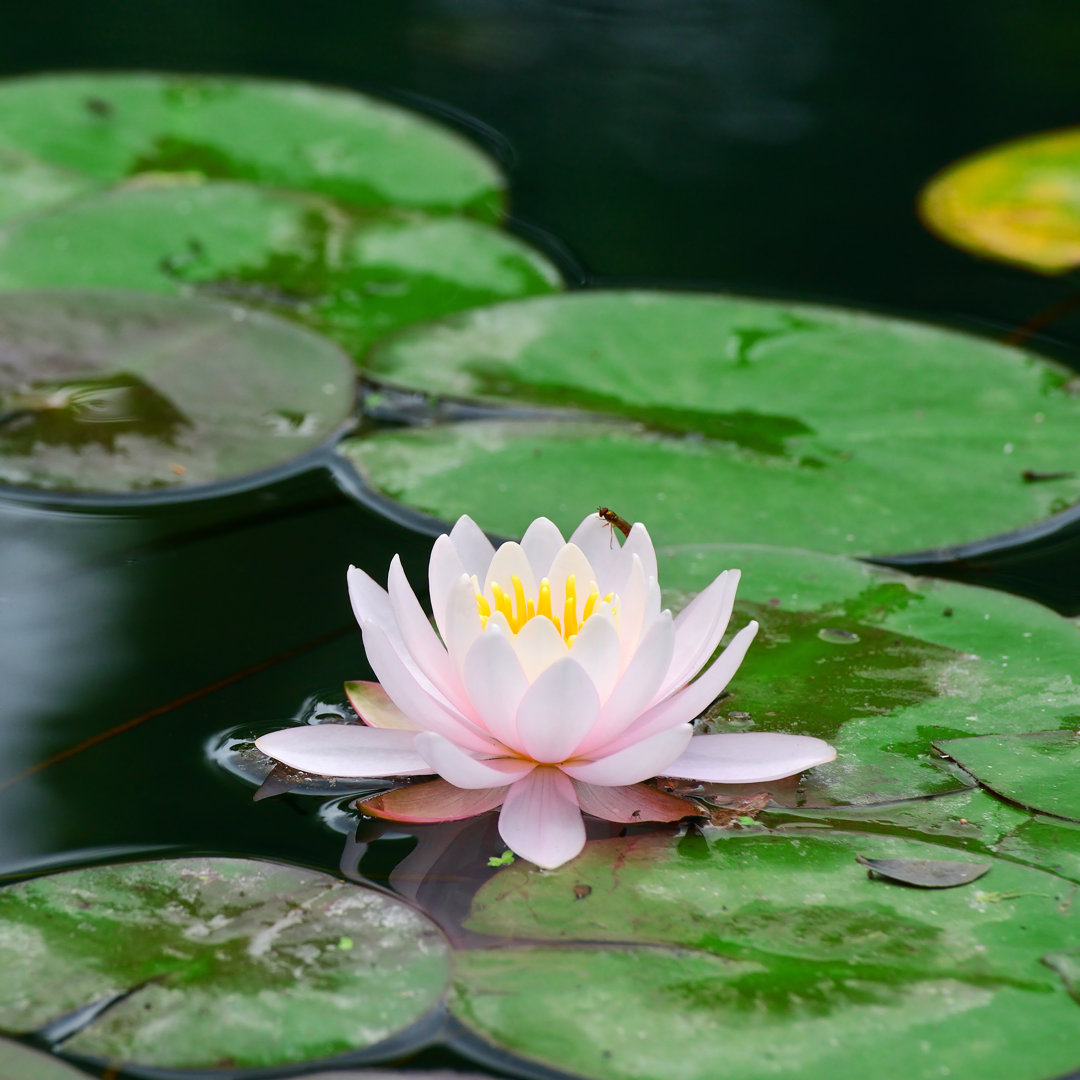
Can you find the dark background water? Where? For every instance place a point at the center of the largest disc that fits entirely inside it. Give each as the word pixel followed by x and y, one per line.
pixel 765 146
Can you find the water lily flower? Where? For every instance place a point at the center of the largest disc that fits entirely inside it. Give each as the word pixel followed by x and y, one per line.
pixel 554 685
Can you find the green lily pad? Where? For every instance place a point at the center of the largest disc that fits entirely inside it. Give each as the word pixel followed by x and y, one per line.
pixel 719 418
pixel 1048 843
pixel 354 278
pixel 120 392
pixel 1018 202
pixel 19 1062
pixel 777 956
pixel 65 135
pixel 1038 769
pixel 881 665
pixel 204 962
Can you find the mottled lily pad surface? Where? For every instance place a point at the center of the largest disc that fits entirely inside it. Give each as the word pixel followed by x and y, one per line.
pixel 777 956
pixel 719 418
pixel 19 1062
pixel 1018 202
pixel 65 135
pixel 353 276
pixel 122 392
pixel 882 665
pixel 204 962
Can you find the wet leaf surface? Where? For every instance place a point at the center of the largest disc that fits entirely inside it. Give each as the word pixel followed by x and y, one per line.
pixel 1018 202
pixel 719 418
pixel 121 392
pixel 204 962
pixel 775 954
pixel 1048 843
pixel 925 873
pixel 65 135
pixel 1037 769
pixel 354 277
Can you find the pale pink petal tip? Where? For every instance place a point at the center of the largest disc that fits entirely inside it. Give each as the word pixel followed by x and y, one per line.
pixel 345 750
pixel 432 801
pixel 540 819
pixel 750 757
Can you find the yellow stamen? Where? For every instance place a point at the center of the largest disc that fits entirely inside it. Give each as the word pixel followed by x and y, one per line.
pixel 519 604
pixel 543 601
pixel 502 602
pixel 590 602
pixel 570 608
pixel 530 610
pixel 570 640
pixel 483 607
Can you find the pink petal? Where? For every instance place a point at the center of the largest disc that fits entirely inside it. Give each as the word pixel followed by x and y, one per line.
pixel 638 543
pixel 540 819
pixel 461 624
pixel 465 771
pixel 420 639
pixel 434 800
pixel 508 562
pixel 445 569
pixel 557 712
pixel 422 707
pixel 637 685
pixel 570 561
pixel 541 543
pixel 495 684
pixel 375 708
pixel 538 645
pixel 638 761
pixel 692 700
pixel 639 802
pixel 474 548
pixel 598 650
pixel 699 628
pixel 600 543
pixel 345 750
pixel 750 757
pixel 633 605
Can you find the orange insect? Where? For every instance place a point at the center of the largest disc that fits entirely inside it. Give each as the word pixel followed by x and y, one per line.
pixel 612 518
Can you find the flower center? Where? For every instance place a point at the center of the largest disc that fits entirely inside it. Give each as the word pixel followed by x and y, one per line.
pixel 518 610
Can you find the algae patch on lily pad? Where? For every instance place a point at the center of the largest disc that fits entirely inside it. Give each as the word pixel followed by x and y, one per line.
pixel 776 955
pixel 352 276
pixel 65 135
pixel 721 418
pixel 199 962
pixel 1018 202
pixel 124 392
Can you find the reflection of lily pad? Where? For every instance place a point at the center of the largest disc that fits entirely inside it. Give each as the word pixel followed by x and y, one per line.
pixel 1018 202
pixel 64 135
pixel 933 660
pixel 729 419
pixel 117 392
pixel 215 960
pixel 353 278
pixel 774 955
pixel 1039 770
pixel 18 1062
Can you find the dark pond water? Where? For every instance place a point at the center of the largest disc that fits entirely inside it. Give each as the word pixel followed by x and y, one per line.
pixel 764 146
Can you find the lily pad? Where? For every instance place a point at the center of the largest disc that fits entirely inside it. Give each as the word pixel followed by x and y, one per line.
pixel 719 418
pixel 64 135
pixel 120 392
pixel 775 955
pixel 930 660
pixel 1018 202
pixel 352 277
pixel 204 962
pixel 1038 770
pixel 19 1062
pixel 1048 843
pixel 925 873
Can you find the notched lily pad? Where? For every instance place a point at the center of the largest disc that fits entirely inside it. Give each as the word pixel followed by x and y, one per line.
pixel 925 873
pixel 122 392
pixel 1018 202
pixel 698 415
pixel 204 962
pixel 353 276
pixel 66 134
pixel 1037 769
